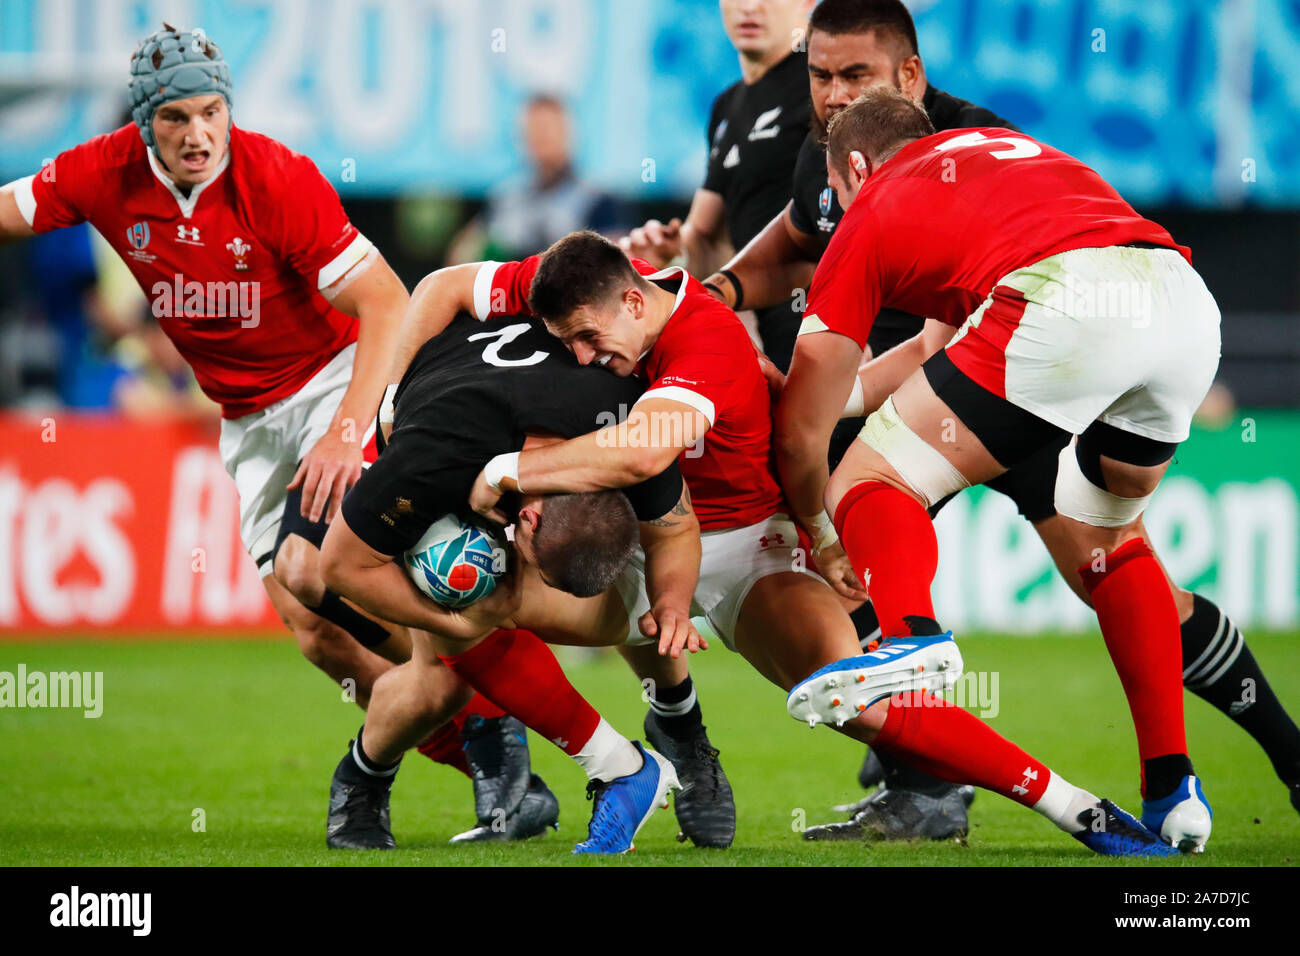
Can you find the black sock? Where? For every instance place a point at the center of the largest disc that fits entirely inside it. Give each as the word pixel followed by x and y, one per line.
pixel 867 624
pixel 899 776
pixel 919 626
pixel 1218 667
pixel 677 708
pixel 367 632
pixel 357 768
pixel 1162 775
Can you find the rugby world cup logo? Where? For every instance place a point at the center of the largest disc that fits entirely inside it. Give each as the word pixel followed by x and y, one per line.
pixel 239 249
pixel 825 199
pixel 138 235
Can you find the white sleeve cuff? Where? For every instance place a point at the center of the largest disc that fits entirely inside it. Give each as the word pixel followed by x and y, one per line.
pixel 26 199
pixel 483 290
pixel 337 267
pixel 675 393
pixel 811 324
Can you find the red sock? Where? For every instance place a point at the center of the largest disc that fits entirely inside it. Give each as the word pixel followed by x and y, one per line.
pixel 890 541
pixel 445 745
pixel 1139 622
pixel 516 670
pixel 943 740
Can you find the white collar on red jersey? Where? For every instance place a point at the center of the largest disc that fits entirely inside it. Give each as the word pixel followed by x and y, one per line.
pixel 187 202
pixel 681 293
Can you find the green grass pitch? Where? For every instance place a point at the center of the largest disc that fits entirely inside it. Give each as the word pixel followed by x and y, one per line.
pixel 249 733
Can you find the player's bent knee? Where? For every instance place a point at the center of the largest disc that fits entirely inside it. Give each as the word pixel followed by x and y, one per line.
pixel 926 471
pixel 1079 498
pixel 297 567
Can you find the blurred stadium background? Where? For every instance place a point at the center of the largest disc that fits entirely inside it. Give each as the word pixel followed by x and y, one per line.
pixel 116 516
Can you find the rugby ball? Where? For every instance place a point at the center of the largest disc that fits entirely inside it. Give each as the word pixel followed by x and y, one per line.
pixel 456 563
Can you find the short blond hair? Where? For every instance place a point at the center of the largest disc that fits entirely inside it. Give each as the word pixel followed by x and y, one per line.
pixel 879 120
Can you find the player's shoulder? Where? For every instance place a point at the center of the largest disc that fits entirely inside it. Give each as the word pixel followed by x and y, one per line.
pixel 268 163
pixel 948 112
pixel 121 148
pixel 722 104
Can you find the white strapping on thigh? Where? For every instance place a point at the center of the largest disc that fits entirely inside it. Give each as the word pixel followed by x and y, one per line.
pixel 924 469
pixel 1078 498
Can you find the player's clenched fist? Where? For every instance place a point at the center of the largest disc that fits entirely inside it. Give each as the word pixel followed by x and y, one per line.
pixel 656 242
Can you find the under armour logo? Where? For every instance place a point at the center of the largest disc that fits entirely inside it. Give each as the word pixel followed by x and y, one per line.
pixel 767 541
pixel 1023 787
pixel 560 742
pixel 191 234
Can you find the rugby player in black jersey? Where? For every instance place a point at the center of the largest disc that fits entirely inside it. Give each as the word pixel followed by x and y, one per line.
pixel 472 392
pixel 853 45
pixel 756 128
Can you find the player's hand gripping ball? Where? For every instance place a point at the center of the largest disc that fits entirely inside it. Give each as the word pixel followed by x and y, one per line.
pixel 456 563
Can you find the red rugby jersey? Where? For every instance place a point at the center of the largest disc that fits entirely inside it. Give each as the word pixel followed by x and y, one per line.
pixel 232 271
pixel 936 227
pixel 703 358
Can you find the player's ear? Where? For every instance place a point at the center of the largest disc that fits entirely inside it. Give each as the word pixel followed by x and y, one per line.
pixel 910 76
pixel 861 169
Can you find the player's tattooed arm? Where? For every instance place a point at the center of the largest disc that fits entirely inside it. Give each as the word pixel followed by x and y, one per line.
pixel 775 263
pixel 13 225
pixel 672 550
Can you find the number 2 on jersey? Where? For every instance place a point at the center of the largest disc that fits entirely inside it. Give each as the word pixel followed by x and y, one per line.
pixel 503 337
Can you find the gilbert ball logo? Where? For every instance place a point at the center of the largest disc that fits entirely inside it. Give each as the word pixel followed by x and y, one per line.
pixel 138 235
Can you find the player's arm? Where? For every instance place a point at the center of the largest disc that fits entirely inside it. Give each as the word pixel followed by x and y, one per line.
pixel 881 377
pixel 821 378
pixel 371 292
pixel 438 299
pixel 702 238
pixel 672 562
pixel 13 224
pixel 376 583
pixel 646 442
pixel 775 263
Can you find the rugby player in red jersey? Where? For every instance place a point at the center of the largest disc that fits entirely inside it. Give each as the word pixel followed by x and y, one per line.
pixel 287 314
pixel 707 406
pixel 1020 246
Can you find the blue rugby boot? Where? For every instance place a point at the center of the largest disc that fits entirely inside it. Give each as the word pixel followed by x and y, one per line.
pixel 620 807
pixel 1183 818
pixel 843 689
pixel 1110 831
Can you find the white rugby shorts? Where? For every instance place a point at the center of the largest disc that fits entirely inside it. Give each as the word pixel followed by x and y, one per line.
pixel 1124 335
pixel 261 451
pixel 731 561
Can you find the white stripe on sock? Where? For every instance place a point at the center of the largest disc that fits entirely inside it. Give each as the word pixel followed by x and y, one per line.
pixel 1237 645
pixel 607 754
pixel 357 759
pixel 1224 646
pixel 1209 648
pixel 677 709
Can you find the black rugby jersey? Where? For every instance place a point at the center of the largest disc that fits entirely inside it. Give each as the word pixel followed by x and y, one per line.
pixel 755 133
pixel 474 392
